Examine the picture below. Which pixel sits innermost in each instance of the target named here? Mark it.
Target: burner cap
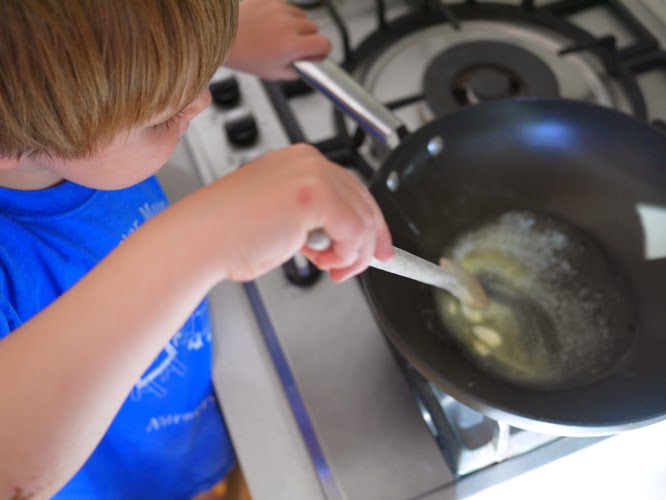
(474, 72)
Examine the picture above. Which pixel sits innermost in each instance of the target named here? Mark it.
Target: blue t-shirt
(168, 440)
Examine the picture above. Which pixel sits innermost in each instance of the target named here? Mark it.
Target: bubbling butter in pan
(586, 321)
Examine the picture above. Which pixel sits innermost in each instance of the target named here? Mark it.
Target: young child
(105, 388)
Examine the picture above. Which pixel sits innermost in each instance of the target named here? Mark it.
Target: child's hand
(260, 215)
(271, 35)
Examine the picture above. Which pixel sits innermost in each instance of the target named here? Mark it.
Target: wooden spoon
(448, 275)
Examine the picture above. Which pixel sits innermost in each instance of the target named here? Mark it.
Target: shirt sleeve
(9, 317)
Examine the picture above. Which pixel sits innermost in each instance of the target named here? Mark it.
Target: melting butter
(586, 320)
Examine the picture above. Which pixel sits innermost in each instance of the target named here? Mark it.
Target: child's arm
(271, 35)
(67, 371)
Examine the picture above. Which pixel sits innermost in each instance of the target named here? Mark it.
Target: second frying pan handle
(346, 93)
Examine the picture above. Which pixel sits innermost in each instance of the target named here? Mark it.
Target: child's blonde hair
(75, 73)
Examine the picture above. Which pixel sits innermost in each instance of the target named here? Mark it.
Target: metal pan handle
(336, 84)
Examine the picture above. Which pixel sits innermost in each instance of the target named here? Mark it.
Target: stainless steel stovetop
(353, 399)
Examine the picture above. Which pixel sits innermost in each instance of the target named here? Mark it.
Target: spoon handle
(448, 275)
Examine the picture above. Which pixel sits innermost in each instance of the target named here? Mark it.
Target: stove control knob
(242, 131)
(300, 271)
(225, 93)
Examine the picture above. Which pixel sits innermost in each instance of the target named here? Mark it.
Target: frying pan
(584, 164)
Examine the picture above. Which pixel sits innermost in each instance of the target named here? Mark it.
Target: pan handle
(346, 93)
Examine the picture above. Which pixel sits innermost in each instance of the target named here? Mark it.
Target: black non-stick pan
(581, 163)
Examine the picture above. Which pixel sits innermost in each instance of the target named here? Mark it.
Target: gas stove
(348, 390)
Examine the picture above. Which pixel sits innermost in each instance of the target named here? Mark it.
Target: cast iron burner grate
(525, 79)
(468, 440)
(621, 64)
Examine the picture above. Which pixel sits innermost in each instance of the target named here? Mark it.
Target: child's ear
(7, 163)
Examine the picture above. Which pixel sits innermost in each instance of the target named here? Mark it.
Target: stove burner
(486, 83)
(473, 72)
